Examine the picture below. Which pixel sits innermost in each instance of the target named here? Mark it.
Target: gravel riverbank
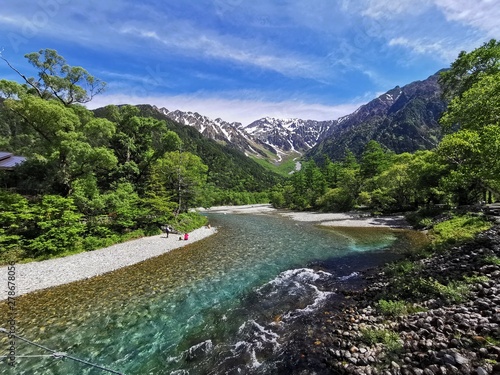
(348, 219)
(49, 273)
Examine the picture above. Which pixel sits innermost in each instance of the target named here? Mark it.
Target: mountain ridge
(405, 118)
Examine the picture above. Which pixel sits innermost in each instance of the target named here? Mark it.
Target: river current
(222, 305)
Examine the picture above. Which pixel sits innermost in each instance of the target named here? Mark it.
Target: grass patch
(387, 337)
(394, 308)
(457, 230)
(453, 292)
(492, 260)
(492, 341)
(401, 268)
(476, 279)
(283, 168)
(424, 217)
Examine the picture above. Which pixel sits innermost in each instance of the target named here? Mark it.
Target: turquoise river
(217, 306)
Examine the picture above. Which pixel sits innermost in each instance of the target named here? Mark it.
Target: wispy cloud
(198, 42)
(239, 110)
(480, 14)
(385, 9)
(427, 46)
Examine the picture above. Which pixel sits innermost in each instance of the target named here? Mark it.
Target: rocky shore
(455, 332)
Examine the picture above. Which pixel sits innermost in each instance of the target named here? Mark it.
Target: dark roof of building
(9, 161)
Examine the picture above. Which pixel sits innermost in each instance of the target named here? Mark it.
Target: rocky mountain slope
(285, 136)
(404, 119)
(230, 134)
(266, 138)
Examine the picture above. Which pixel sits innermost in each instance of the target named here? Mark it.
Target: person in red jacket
(186, 236)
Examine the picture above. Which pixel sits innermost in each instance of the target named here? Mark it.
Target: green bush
(453, 292)
(492, 260)
(59, 226)
(392, 308)
(476, 279)
(382, 336)
(189, 221)
(401, 268)
(395, 308)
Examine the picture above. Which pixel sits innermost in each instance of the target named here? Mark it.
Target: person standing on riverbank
(186, 236)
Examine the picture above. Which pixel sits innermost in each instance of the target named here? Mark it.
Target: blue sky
(245, 59)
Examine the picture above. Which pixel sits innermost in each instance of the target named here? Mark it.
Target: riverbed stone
(446, 338)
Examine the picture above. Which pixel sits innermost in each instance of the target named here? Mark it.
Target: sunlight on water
(211, 306)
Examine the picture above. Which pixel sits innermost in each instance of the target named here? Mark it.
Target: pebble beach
(53, 272)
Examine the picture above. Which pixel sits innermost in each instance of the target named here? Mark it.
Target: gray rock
(449, 359)
(460, 359)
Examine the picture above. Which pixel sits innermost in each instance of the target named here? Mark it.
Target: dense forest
(93, 178)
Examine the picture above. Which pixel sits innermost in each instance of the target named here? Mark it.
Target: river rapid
(223, 305)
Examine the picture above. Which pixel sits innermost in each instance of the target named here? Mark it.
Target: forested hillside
(228, 168)
(404, 119)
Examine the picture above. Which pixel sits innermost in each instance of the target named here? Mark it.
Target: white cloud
(233, 110)
(427, 46)
(196, 42)
(384, 9)
(480, 14)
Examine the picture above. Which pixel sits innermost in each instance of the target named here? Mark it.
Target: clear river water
(220, 305)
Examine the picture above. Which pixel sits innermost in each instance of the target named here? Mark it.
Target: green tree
(66, 142)
(59, 225)
(374, 159)
(473, 83)
(138, 143)
(462, 152)
(469, 68)
(58, 80)
(180, 178)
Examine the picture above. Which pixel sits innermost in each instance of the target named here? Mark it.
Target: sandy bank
(349, 219)
(45, 274)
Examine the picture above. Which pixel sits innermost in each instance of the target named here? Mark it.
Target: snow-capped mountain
(219, 130)
(288, 135)
(277, 136)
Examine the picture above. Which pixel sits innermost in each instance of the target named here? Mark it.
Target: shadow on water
(220, 305)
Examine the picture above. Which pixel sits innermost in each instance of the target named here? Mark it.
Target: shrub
(476, 279)
(188, 221)
(60, 227)
(382, 336)
(492, 260)
(400, 268)
(454, 292)
(392, 308)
